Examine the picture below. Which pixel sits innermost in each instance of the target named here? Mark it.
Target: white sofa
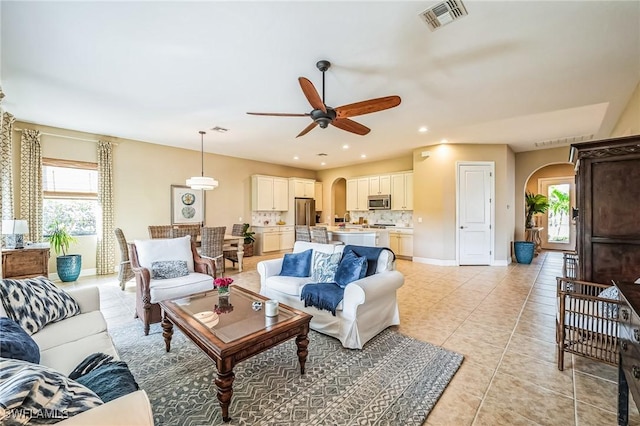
(369, 305)
(65, 344)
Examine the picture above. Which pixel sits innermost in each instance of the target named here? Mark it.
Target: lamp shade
(202, 182)
(15, 226)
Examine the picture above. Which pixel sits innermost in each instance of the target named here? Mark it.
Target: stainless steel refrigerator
(305, 211)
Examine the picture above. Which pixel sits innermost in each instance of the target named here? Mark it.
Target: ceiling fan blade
(279, 114)
(367, 107)
(307, 129)
(351, 126)
(312, 95)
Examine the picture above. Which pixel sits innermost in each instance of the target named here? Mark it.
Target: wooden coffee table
(239, 333)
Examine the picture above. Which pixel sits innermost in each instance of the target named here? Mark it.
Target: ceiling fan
(323, 115)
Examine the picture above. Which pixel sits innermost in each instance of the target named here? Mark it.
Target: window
(70, 192)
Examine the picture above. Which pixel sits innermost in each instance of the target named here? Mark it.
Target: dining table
(228, 238)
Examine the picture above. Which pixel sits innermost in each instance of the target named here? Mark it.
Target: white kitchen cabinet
(358, 194)
(303, 188)
(379, 185)
(402, 191)
(401, 242)
(269, 193)
(274, 238)
(318, 196)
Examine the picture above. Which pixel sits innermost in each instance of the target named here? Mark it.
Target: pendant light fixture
(202, 181)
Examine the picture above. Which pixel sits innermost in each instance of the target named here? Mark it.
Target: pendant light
(202, 181)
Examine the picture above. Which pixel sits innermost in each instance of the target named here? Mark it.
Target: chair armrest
(370, 288)
(201, 264)
(133, 409)
(269, 268)
(88, 298)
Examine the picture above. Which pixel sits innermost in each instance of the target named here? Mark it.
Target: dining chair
(182, 230)
(125, 273)
(303, 233)
(212, 245)
(160, 231)
(230, 251)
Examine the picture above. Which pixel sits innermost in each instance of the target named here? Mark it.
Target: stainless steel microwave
(380, 202)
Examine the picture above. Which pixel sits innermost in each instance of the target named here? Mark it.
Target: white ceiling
(515, 72)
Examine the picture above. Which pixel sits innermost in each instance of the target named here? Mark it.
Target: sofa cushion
(36, 302)
(27, 387)
(287, 285)
(71, 329)
(64, 358)
(351, 268)
(297, 264)
(15, 343)
(175, 288)
(299, 246)
(324, 267)
(165, 269)
(160, 249)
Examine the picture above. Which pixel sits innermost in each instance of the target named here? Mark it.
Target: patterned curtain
(105, 256)
(31, 183)
(6, 165)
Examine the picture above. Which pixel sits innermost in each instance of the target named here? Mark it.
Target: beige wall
(629, 122)
(143, 175)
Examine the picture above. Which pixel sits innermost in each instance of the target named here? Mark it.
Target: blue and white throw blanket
(327, 296)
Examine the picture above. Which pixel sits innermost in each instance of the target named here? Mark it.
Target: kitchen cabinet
(274, 238)
(318, 196)
(401, 242)
(358, 194)
(379, 185)
(402, 191)
(25, 263)
(303, 188)
(269, 193)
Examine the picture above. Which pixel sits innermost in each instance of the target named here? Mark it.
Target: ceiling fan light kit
(323, 115)
(202, 182)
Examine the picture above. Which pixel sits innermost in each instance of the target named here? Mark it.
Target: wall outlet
(419, 220)
(240, 219)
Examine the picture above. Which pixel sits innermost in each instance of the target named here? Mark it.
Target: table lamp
(14, 230)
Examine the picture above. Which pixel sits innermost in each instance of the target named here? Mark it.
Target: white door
(559, 230)
(475, 213)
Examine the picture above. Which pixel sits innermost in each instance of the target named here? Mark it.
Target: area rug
(394, 380)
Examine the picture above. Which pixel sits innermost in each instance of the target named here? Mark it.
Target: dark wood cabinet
(25, 263)
(608, 201)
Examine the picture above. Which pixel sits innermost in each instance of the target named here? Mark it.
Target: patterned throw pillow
(165, 269)
(324, 267)
(609, 310)
(35, 394)
(36, 302)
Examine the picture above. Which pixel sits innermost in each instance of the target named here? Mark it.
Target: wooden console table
(533, 235)
(629, 361)
(25, 263)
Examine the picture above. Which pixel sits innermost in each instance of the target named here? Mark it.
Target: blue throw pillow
(110, 381)
(351, 268)
(15, 343)
(296, 264)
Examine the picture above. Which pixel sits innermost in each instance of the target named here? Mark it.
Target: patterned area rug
(394, 380)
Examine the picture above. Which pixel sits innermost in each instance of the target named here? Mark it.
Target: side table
(25, 263)
(533, 235)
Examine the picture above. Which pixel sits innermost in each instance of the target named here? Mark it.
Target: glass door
(559, 231)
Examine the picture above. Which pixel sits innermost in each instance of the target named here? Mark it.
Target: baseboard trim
(83, 273)
(437, 262)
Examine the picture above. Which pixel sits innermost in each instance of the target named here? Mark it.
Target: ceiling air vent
(443, 13)
(563, 141)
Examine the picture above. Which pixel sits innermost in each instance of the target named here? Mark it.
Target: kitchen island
(372, 237)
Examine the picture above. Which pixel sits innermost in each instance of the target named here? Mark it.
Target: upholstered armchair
(167, 269)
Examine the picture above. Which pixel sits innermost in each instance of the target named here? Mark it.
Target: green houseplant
(68, 265)
(535, 204)
(249, 239)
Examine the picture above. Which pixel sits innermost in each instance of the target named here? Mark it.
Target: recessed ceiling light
(363, 156)
(345, 146)
(444, 141)
(423, 129)
(323, 164)
(295, 157)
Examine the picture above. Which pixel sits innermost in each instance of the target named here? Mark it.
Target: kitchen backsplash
(400, 218)
(259, 218)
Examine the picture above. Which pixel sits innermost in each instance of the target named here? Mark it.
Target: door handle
(462, 227)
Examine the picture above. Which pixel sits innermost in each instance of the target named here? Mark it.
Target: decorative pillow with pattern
(36, 302)
(165, 269)
(324, 267)
(609, 310)
(34, 394)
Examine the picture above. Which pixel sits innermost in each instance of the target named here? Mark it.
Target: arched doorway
(339, 199)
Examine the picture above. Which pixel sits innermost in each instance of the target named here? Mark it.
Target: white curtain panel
(105, 255)
(31, 183)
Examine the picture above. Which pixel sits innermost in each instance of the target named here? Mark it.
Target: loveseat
(65, 344)
(368, 307)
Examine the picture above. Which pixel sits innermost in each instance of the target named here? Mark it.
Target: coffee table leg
(224, 382)
(302, 341)
(167, 331)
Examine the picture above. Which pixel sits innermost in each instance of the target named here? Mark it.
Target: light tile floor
(502, 319)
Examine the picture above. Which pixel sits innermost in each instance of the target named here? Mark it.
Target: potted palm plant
(68, 265)
(537, 203)
(249, 239)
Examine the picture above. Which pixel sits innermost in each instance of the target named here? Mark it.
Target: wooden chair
(212, 245)
(303, 233)
(160, 231)
(125, 273)
(231, 250)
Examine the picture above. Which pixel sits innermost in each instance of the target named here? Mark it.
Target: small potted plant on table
(249, 239)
